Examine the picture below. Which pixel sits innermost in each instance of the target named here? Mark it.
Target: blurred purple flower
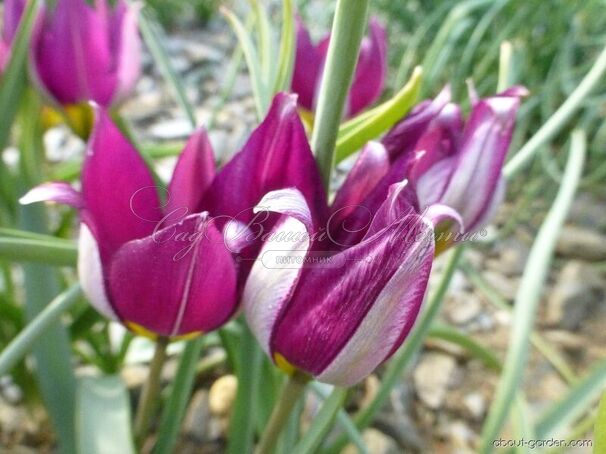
(369, 78)
(13, 10)
(82, 52)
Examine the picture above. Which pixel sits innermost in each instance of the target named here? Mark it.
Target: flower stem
(149, 395)
(347, 31)
(292, 390)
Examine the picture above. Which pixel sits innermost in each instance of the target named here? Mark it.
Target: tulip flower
(331, 305)
(369, 77)
(13, 10)
(169, 268)
(455, 163)
(82, 52)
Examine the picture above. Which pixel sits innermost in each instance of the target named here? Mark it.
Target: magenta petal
(276, 156)
(126, 47)
(177, 281)
(72, 54)
(400, 202)
(332, 305)
(372, 164)
(371, 69)
(192, 176)
(119, 192)
(13, 10)
(57, 191)
(444, 218)
(308, 64)
(478, 168)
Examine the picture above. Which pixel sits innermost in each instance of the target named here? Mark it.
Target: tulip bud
(369, 77)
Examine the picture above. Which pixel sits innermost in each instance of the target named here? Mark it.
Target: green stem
(411, 346)
(21, 344)
(56, 252)
(290, 394)
(559, 118)
(347, 31)
(151, 389)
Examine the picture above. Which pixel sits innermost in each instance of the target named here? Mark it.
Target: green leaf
(286, 58)
(529, 293)
(461, 339)
(103, 420)
(241, 427)
(260, 90)
(599, 444)
(322, 422)
(264, 40)
(153, 36)
(557, 418)
(56, 252)
(358, 131)
(24, 341)
(181, 389)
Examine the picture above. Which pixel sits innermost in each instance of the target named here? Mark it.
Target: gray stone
(475, 405)
(465, 308)
(376, 442)
(175, 129)
(581, 243)
(196, 420)
(578, 293)
(432, 377)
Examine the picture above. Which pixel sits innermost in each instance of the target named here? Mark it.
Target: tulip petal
(444, 218)
(91, 275)
(330, 326)
(478, 168)
(267, 290)
(276, 156)
(307, 68)
(177, 281)
(127, 51)
(56, 191)
(371, 69)
(73, 56)
(193, 174)
(400, 202)
(119, 192)
(13, 10)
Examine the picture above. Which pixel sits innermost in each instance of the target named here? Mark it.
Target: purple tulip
(170, 267)
(335, 302)
(369, 78)
(458, 164)
(83, 53)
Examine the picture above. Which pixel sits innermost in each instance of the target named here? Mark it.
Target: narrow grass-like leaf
(260, 89)
(322, 422)
(348, 27)
(477, 350)
(599, 444)
(57, 252)
(103, 416)
(354, 135)
(557, 418)
(529, 292)
(264, 41)
(286, 57)
(24, 341)
(181, 388)
(559, 118)
(241, 427)
(409, 349)
(153, 36)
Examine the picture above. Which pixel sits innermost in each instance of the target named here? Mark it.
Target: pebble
(466, 308)
(475, 405)
(505, 286)
(376, 442)
(431, 378)
(578, 293)
(581, 243)
(222, 395)
(196, 420)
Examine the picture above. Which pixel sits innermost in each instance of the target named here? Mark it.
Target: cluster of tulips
(330, 290)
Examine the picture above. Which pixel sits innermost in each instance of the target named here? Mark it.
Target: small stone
(581, 243)
(475, 405)
(134, 375)
(466, 308)
(198, 414)
(578, 293)
(461, 437)
(376, 442)
(178, 128)
(222, 395)
(506, 287)
(432, 377)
